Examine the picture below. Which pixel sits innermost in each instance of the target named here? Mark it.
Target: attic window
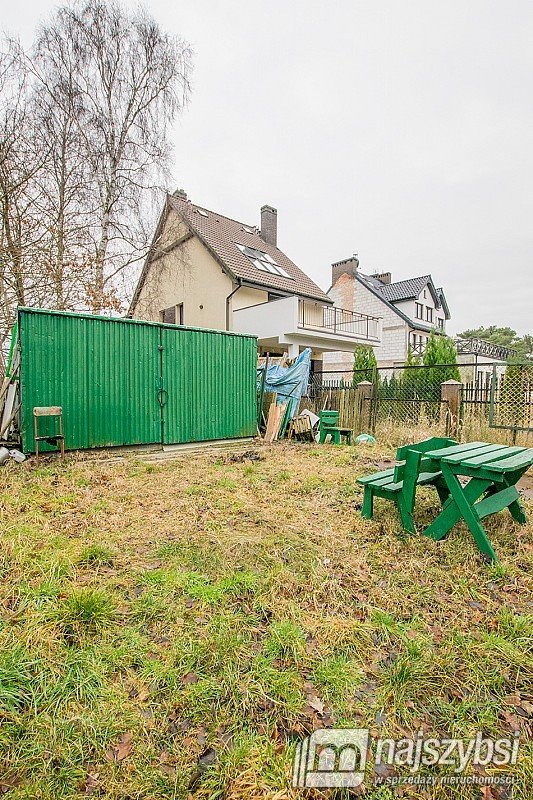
(263, 261)
(246, 229)
(202, 212)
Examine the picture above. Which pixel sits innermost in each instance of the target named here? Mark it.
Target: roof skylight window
(202, 212)
(246, 229)
(263, 261)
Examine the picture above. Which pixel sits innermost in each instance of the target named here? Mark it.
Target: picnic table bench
(492, 469)
(399, 483)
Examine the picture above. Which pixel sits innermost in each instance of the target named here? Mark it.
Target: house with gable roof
(207, 270)
(409, 309)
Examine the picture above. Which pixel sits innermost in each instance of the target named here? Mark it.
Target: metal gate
(208, 385)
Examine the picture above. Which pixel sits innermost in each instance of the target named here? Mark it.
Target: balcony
(418, 349)
(292, 323)
(313, 316)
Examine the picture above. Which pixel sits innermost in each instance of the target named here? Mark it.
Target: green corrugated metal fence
(127, 382)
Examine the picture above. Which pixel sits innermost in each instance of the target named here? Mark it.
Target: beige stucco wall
(173, 229)
(189, 274)
(246, 296)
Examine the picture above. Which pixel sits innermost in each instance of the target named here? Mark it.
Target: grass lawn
(174, 629)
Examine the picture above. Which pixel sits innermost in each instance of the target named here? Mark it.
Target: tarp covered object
(289, 382)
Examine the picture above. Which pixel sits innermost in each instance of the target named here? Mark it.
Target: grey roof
(375, 286)
(443, 302)
(408, 289)
(404, 290)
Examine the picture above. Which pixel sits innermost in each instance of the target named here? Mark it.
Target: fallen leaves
(206, 759)
(315, 709)
(122, 749)
(165, 765)
(140, 694)
(92, 783)
(526, 706)
(315, 703)
(322, 566)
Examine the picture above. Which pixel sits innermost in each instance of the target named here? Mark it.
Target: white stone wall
(349, 293)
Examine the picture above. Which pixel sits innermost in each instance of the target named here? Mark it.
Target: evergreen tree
(440, 358)
(411, 375)
(441, 350)
(364, 364)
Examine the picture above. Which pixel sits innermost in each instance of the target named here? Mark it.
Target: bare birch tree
(66, 186)
(133, 78)
(22, 236)
(84, 123)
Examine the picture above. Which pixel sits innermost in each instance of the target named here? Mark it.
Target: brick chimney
(348, 266)
(384, 277)
(269, 225)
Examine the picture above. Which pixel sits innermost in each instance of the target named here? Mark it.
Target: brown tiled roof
(222, 234)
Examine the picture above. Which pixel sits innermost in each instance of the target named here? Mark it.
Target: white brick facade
(349, 293)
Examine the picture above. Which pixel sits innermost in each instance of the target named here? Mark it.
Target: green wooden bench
(329, 420)
(400, 482)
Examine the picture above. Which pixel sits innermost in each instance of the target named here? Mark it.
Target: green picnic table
(492, 471)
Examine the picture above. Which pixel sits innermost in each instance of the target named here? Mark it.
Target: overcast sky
(401, 130)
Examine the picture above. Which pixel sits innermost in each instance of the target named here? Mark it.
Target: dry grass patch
(172, 630)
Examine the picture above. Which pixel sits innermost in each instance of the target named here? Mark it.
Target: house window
(425, 294)
(419, 310)
(429, 314)
(441, 323)
(168, 315)
(179, 314)
(263, 261)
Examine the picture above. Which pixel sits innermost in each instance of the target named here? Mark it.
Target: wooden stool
(52, 438)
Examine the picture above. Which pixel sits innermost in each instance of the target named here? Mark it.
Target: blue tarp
(289, 382)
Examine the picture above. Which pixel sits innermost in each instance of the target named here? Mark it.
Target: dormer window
(263, 261)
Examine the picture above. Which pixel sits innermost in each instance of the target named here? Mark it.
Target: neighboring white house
(207, 270)
(409, 311)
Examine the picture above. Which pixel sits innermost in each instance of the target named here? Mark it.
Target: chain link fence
(473, 401)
